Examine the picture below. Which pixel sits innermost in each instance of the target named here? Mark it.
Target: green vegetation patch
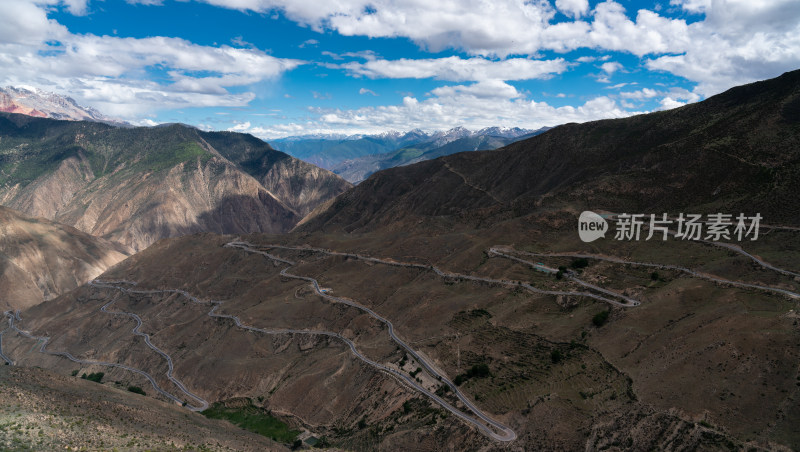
(167, 158)
(600, 318)
(477, 371)
(96, 377)
(254, 419)
(136, 390)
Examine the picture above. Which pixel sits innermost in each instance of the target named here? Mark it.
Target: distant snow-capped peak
(33, 101)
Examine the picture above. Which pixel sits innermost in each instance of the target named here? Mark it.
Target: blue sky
(289, 67)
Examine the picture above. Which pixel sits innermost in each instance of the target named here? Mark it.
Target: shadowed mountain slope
(735, 152)
(135, 186)
(460, 255)
(40, 260)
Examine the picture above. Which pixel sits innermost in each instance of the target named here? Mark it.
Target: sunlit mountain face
(378, 225)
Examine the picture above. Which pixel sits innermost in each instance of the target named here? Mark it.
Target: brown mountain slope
(300, 185)
(138, 185)
(40, 260)
(735, 152)
(705, 359)
(46, 411)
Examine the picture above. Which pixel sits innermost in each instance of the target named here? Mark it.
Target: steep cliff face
(192, 196)
(136, 186)
(302, 185)
(40, 259)
(298, 184)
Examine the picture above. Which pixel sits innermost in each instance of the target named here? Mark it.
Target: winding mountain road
(630, 302)
(706, 276)
(45, 340)
(203, 404)
(506, 434)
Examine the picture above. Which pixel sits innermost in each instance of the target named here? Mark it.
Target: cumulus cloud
(458, 69)
(241, 127)
(669, 103)
(610, 67)
(574, 8)
(737, 41)
(644, 93)
(475, 105)
(110, 73)
(497, 28)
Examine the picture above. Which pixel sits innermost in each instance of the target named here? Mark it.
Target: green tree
(600, 318)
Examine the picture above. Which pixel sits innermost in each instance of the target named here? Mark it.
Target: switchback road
(688, 271)
(506, 434)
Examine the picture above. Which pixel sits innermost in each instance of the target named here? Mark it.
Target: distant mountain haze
(332, 151)
(735, 152)
(357, 169)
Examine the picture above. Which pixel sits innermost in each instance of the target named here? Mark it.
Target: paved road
(44, 340)
(688, 271)
(767, 265)
(203, 404)
(629, 302)
(506, 434)
(444, 274)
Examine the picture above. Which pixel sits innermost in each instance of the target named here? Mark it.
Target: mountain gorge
(137, 185)
(451, 301)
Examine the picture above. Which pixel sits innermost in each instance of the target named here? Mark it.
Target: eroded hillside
(135, 186)
(40, 260)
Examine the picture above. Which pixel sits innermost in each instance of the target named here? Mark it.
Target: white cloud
(76, 7)
(145, 2)
(146, 122)
(573, 8)
(241, 127)
(642, 94)
(309, 43)
(496, 28)
(738, 42)
(693, 6)
(669, 103)
(367, 91)
(610, 67)
(110, 73)
(476, 105)
(458, 70)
